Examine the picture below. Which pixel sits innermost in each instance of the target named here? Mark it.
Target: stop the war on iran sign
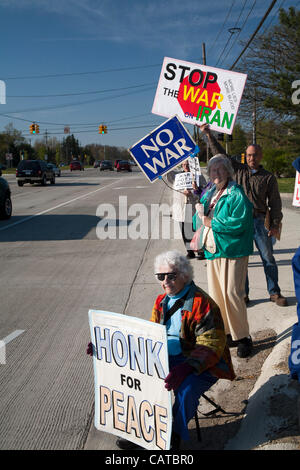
(163, 149)
(130, 364)
(199, 94)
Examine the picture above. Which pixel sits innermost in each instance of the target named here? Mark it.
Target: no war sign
(130, 364)
(164, 148)
(199, 94)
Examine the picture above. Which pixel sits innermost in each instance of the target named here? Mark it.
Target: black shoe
(200, 255)
(190, 254)
(127, 445)
(245, 347)
(175, 441)
(230, 342)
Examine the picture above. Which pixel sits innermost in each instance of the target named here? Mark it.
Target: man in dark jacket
(261, 188)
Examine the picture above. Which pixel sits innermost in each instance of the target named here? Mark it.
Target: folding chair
(210, 413)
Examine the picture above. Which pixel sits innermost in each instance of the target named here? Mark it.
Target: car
(76, 165)
(97, 164)
(5, 199)
(3, 167)
(116, 162)
(106, 165)
(56, 170)
(123, 165)
(34, 171)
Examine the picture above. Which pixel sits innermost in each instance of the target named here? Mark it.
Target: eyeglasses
(170, 276)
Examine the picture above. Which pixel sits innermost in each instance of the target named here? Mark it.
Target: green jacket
(232, 223)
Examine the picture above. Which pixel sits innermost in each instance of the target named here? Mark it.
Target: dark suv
(106, 165)
(34, 171)
(5, 199)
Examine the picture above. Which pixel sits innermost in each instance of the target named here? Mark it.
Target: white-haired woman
(227, 212)
(198, 353)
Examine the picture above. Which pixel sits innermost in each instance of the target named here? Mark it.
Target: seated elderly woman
(198, 354)
(226, 215)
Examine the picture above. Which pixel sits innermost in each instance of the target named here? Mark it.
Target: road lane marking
(53, 208)
(5, 341)
(12, 336)
(132, 187)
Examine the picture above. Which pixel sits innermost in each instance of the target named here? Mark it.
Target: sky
(82, 63)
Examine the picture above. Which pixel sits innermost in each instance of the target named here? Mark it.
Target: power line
(67, 105)
(231, 33)
(254, 34)
(272, 19)
(242, 27)
(81, 93)
(25, 77)
(217, 37)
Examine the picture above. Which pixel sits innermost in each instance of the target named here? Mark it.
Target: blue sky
(103, 57)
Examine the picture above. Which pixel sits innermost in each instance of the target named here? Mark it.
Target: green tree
(70, 148)
(272, 64)
(239, 141)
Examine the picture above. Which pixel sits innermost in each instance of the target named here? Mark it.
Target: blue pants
(187, 397)
(264, 244)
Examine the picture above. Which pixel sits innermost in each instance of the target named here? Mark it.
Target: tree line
(50, 149)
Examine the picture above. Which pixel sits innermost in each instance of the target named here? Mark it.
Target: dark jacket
(261, 188)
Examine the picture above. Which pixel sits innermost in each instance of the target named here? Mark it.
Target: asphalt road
(53, 269)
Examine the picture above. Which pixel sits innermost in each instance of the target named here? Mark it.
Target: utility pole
(254, 118)
(204, 63)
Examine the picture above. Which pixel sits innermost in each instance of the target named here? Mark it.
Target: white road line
(12, 336)
(53, 208)
(132, 187)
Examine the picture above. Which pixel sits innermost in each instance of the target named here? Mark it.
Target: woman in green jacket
(225, 214)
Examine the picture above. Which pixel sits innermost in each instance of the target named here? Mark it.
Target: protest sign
(195, 169)
(199, 94)
(130, 365)
(183, 181)
(163, 149)
(296, 198)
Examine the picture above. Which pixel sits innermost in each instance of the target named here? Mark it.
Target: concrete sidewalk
(272, 401)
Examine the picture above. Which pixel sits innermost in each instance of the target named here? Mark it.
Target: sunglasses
(170, 276)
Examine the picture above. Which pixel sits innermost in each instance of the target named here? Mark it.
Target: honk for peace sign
(199, 94)
(130, 365)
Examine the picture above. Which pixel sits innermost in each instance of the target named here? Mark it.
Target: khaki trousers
(226, 285)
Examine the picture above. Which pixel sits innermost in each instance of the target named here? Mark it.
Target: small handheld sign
(163, 149)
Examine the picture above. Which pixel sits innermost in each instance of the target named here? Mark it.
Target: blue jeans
(187, 397)
(264, 244)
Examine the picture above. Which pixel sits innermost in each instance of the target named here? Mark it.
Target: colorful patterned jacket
(202, 335)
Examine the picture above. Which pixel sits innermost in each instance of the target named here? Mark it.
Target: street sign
(163, 149)
(199, 94)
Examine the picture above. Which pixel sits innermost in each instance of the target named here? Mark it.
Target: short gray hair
(221, 158)
(177, 261)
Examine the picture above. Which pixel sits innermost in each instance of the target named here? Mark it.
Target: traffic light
(32, 128)
(220, 137)
(102, 129)
(243, 158)
(37, 129)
